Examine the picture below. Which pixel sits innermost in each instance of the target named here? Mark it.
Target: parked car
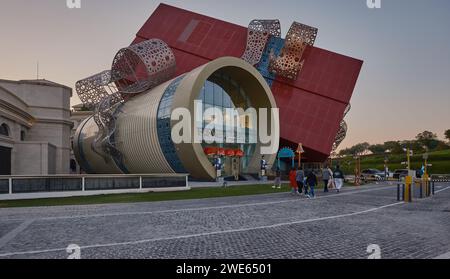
(399, 174)
(372, 174)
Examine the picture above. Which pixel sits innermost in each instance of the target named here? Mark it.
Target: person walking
(277, 182)
(292, 179)
(326, 177)
(311, 181)
(299, 177)
(338, 178)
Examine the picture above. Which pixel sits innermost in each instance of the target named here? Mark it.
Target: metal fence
(73, 183)
(440, 177)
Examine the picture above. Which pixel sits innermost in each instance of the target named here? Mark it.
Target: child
(293, 180)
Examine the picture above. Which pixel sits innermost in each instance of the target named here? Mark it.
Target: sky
(403, 88)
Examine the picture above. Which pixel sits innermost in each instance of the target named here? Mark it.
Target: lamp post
(357, 170)
(300, 150)
(386, 169)
(409, 153)
(425, 158)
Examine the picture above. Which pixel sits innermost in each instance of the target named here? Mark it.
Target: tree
(414, 145)
(447, 134)
(377, 148)
(428, 139)
(394, 147)
(345, 152)
(360, 148)
(442, 146)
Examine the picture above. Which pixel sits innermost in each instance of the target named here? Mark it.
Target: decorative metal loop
(93, 89)
(340, 136)
(134, 69)
(258, 34)
(343, 128)
(290, 62)
(143, 66)
(347, 109)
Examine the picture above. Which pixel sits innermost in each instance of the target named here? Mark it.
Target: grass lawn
(439, 159)
(196, 193)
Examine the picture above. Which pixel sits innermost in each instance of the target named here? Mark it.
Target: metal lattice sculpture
(135, 69)
(105, 117)
(342, 132)
(340, 136)
(347, 110)
(290, 62)
(93, 89)
(258, 34)
(143, 66)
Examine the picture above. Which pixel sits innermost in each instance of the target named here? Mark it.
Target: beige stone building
(35, 127)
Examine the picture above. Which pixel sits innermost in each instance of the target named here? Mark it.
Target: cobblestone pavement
(264, 226)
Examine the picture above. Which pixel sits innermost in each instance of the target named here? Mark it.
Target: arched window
(4, 130)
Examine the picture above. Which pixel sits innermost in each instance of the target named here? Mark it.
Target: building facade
(35, 133)
(191, 57)
(312, 106)
(143, 130)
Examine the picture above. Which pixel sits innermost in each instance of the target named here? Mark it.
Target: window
(221, 92)
(22, 135)
(4, 130)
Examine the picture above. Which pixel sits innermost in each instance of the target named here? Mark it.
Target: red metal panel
(311, 107)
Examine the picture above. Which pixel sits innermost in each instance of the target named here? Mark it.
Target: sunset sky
(403, 89)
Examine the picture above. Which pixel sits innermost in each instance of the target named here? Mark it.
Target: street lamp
(357, 169)
(425, 158)
(386, 169)
(300, 150)
(409, 153)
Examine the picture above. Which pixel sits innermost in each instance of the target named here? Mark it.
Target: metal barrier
(426, 188)
(75, 183)
(440, 177)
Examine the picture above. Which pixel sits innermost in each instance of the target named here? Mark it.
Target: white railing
(71, 183)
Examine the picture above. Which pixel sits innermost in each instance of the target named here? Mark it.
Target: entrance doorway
(5, 161)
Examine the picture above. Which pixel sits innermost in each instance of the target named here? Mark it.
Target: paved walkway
(263, 226)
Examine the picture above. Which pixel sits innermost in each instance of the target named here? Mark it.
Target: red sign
(239, 153)
(229, 152)
(221, 152)
(210, 150)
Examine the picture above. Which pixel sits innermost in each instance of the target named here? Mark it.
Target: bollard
(403, 192)
(398, 192)
(432, 188)
(421, 190)
(408, 189)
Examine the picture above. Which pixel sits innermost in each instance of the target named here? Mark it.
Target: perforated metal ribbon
(290, 61)
(258, 34)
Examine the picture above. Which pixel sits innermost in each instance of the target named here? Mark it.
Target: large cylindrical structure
(144, 125)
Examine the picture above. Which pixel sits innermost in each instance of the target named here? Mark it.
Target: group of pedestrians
(306, 181)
